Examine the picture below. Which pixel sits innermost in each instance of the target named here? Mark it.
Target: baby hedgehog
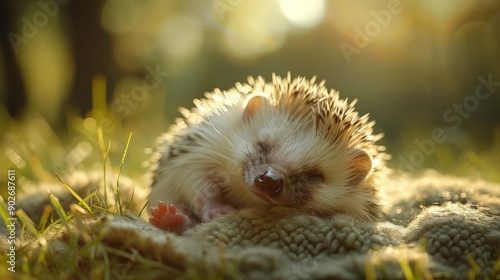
(284, 143)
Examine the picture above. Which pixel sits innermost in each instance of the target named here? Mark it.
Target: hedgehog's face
(279, 181)
(286, 162)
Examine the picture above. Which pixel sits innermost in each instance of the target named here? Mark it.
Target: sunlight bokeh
(303, 13)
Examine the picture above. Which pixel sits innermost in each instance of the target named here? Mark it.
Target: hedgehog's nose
(269, 183)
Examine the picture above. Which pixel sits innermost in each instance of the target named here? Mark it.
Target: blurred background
(76, 74)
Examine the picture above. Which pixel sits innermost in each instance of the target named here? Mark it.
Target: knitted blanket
(434, 226)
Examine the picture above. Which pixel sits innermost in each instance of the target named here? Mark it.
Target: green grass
(35, 257)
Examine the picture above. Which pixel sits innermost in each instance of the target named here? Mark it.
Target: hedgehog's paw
(214, 210)
(167, 217)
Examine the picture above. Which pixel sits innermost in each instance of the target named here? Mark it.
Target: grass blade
(27, 222)
(74, 194)
(122, 163)
(56, 204)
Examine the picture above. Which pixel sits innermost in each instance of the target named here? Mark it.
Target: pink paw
(167, 217)
(213, 211)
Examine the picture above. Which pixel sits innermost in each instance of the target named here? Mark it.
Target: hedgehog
(289, 142)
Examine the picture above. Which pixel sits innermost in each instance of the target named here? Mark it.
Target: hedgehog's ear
(360, 166)
(253, 105)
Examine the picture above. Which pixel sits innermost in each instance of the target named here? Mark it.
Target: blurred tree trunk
(92, 52)
(15, 90)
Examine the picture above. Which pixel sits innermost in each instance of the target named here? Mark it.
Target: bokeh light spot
(180, 37)
(90, 124)
(119, 16)
(303, 13)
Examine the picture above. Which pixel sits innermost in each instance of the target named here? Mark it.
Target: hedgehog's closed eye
(262, 147)
(315, 176)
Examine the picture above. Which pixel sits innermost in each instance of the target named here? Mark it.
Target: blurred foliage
(122, 65)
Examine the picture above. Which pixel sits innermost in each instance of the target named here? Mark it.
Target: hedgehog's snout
(269, 183)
